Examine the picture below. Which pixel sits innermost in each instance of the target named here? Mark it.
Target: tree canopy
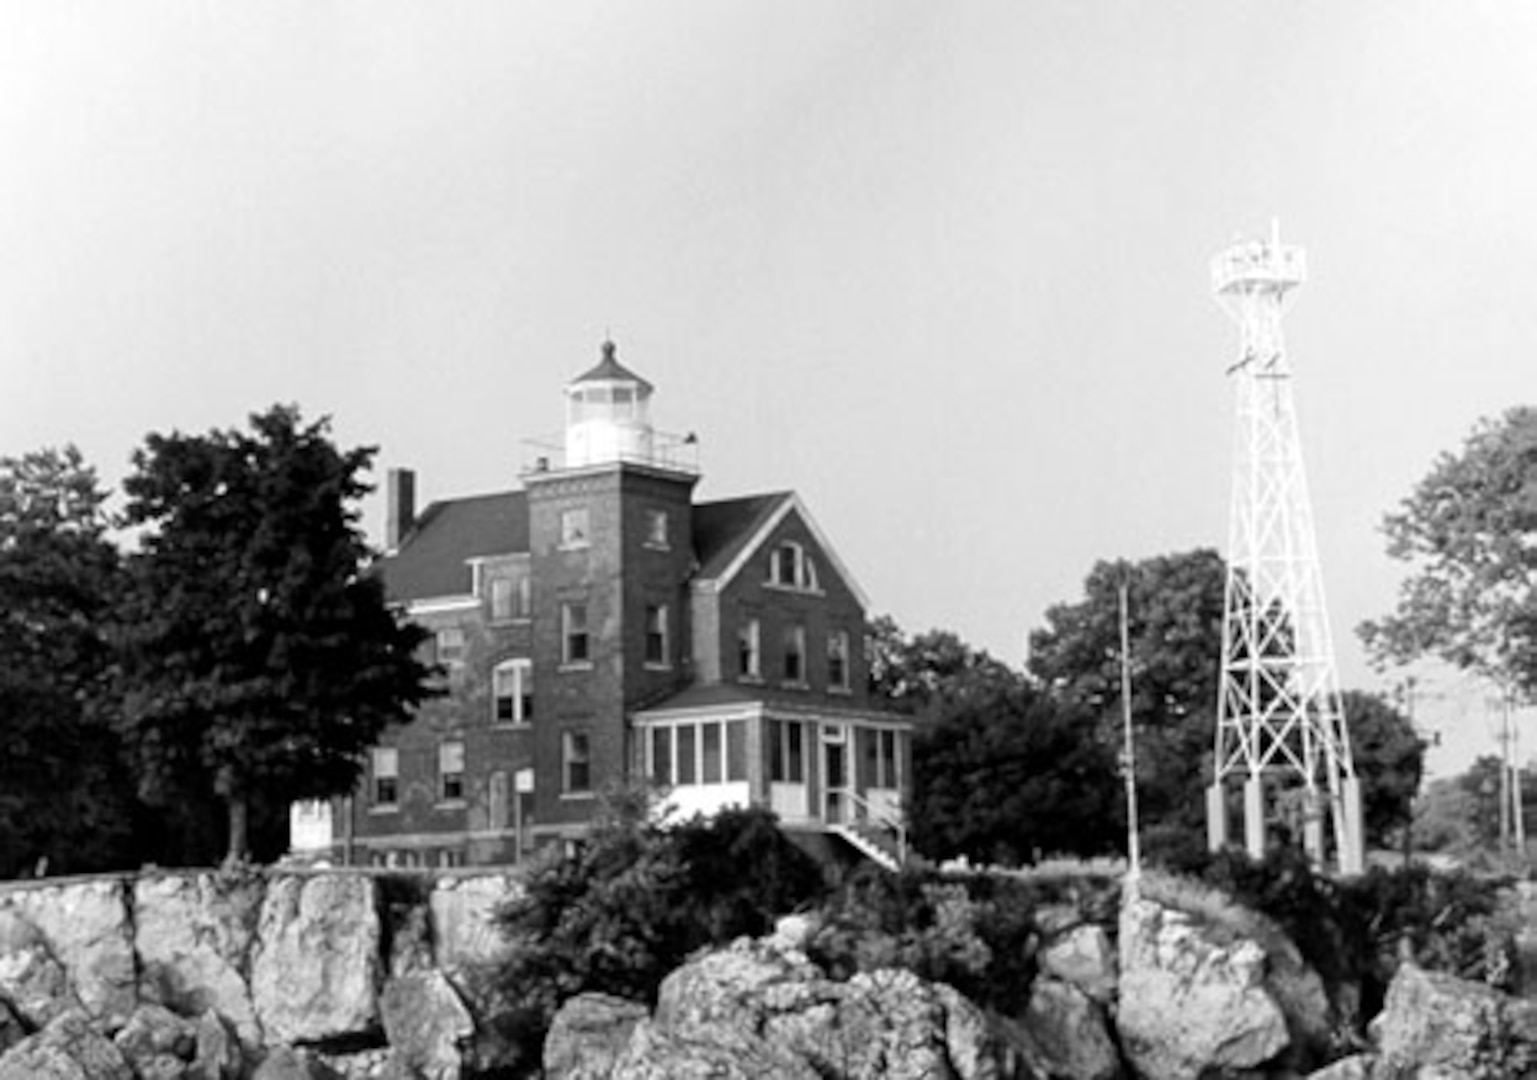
(260, 659)
(1006, 778)
(64, 795)
(1390, 760)
(1467, 533)
(1174, 616)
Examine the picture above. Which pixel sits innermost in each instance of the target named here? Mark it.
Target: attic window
(791, 567)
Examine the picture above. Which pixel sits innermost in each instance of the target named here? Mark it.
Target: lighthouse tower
(1281, 730)
(608, 415)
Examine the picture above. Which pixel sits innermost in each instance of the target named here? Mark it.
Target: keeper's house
(600, 626)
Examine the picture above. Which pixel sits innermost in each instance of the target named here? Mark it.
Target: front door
(835, 773)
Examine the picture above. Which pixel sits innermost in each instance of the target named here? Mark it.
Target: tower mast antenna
(1280, 724)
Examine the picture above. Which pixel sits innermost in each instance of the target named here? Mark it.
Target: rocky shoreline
(283, 975)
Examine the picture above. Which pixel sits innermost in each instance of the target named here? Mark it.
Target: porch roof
(729, 699)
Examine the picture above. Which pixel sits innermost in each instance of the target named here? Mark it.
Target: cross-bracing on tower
(1280, 725)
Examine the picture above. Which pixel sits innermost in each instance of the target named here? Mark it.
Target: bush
(635, 900)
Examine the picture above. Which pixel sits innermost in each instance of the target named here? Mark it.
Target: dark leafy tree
(260, 659)
(1174, 607)
(64, 793)
(1390, 760)
(931, 671)
(1002, 779)
(1466, 533)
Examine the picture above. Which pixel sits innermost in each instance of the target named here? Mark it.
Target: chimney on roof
(400, 506)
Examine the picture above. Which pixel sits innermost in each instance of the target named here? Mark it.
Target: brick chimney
(400, 506)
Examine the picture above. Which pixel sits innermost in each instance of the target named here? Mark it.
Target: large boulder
(655, 1054)
(195, 934)
(287, 1063)
(316, 970)
(69, 1048)
(1068, 1033)
(90, 931)
(1191, 1004)
(427, 1025)
(588, 1035)
(463, 910)
(1083, 956)
(885, 1023)
(157, 1042)
(32, 981)
(1433, 1024)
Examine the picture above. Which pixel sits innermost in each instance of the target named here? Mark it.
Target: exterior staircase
(878, 837)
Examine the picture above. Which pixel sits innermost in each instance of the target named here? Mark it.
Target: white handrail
(870, 815)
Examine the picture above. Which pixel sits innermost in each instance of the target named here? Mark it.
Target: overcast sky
(940, 267)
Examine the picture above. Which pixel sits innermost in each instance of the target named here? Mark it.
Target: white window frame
(570, 758)
(656, 529)
(793, 643)
(575, 527)
(451, 766)
(750, 648)
(450, 645)
(839, 676)
(570, 631)
(384, 764)
(520, 672)
(798, 572)
(658, 631)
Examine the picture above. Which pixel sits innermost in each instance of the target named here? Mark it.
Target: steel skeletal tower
(1280, 725)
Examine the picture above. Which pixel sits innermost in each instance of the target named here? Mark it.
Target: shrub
(634, 900)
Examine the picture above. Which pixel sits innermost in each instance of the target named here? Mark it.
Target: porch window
(787, 751)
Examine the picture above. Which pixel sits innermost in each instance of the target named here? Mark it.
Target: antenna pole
(1133, 843)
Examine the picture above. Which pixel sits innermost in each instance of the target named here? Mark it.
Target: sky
(941, 268)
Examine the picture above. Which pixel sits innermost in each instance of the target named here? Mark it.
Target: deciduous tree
(261, 659)
(64, 794)
(1174, 620)
(1468, 534)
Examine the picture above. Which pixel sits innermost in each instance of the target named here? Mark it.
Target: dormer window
(792, 568)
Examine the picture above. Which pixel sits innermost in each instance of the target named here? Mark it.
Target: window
(576, 763)
(786, 752)
(748, 662)
(386, 770)
(450, 647)
(509, 598)
(574, 527)
(795, 654)
(451, 771)
(573, 619)
(656, 528)
(512, 692)
(656, 635)
(712, 752)
(791, 567)
(838, 660)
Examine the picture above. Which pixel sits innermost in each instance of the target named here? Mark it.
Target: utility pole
(1129, 753)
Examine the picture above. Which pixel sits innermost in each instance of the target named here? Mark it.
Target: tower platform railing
(667, 451)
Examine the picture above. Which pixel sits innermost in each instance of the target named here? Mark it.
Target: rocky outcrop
(589, 1035)
(194, 934)
(88, 929)
(463, 912)
(69, 1048)
(1435, 1025)
(427, 1026)
(757, 1009)
(1190, 1005)
(1082, 955)
(1067, 1034)
(317, 965)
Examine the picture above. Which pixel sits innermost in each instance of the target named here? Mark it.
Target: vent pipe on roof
(400, 506)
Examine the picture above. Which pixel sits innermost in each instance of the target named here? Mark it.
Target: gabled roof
(735, 552)
(610, 369)
(434, 557)
(723, 529)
